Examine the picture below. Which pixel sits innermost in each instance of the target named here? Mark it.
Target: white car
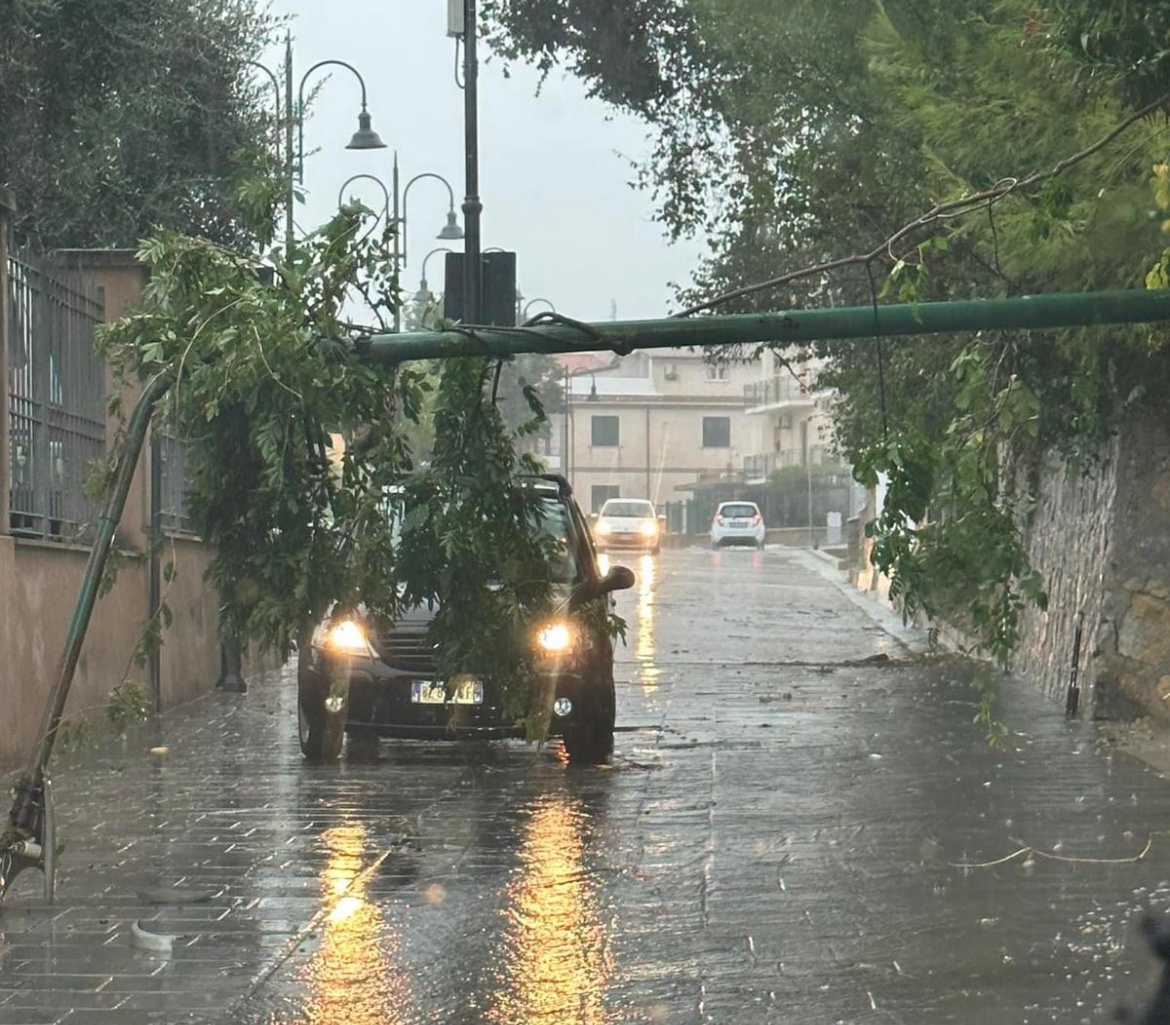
(738, 523)
(628, 523)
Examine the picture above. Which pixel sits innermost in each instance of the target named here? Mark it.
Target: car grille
(407, 649)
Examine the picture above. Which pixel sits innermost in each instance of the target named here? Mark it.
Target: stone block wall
(1102, 541)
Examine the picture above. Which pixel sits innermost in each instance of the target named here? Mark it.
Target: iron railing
(759, 468)
(57, 400)
(174, 484)
(783, 388)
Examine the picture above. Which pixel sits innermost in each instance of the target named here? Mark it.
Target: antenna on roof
(613, 309)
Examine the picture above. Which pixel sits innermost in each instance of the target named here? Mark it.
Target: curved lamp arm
(428, 174)
(406, 192)
(368, 177)
(275, 85)
(363, 118)
(440, 249)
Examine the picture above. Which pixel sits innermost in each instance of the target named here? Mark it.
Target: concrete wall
(39, 584)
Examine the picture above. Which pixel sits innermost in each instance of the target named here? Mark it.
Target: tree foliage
(265, 376)
(118, 116)
(813, 131)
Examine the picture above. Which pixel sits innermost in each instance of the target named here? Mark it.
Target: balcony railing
(760, 468)
(782, 390)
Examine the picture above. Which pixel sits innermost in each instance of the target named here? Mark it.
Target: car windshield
(740, 510)
(630, 510)
(553, 523)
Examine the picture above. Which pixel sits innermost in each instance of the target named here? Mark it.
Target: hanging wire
(496, 380)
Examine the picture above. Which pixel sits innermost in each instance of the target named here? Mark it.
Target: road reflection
(645, 650)
(556, 961)
(352, 977)
(646, 572)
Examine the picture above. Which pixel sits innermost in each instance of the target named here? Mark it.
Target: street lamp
(394, 209)
(451, 231)
(424, 295)
(461, 24)
(294, 160)
(592, 396)
(570, 425)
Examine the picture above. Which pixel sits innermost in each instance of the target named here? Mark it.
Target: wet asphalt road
(780, 839)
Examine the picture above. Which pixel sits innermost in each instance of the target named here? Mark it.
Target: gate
(57, 399)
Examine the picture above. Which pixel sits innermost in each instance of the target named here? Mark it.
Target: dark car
(393, 686)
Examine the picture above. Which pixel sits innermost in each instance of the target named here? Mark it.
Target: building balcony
(780, 392)
(758, 469)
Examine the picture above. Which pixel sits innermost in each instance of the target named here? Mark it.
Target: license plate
(739, 523)
(429, 692)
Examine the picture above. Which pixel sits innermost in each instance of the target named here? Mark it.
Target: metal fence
(57, 400)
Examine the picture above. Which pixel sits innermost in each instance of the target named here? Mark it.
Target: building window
(718, 372)
(716, 432)
(606, 433)
(602, 493)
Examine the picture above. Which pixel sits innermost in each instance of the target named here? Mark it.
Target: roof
(579, 362)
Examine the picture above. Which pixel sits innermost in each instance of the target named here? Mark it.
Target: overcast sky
(554, 168)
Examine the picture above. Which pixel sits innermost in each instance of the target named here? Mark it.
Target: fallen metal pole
(1035, 312)
(28, 841)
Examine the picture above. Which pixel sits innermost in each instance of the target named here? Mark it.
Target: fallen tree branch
(1025, 849)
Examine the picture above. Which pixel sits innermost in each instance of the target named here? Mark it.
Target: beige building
(640, 426)
(791, 418)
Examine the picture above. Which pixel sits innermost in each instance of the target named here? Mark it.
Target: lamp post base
(231, 675)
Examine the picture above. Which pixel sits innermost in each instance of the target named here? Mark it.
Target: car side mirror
(619, 578)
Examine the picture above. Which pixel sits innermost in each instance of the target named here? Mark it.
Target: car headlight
(603, 528)
(648, 529)
(348, 637)
(555, 638)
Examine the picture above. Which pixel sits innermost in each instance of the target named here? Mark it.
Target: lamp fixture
(365, 137)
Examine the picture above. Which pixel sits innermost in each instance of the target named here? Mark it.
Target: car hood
(625, 522)
(419, 616)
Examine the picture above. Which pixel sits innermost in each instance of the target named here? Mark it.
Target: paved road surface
(778, 840)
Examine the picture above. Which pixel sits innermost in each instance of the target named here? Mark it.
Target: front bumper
(379, 698)
(634, 542)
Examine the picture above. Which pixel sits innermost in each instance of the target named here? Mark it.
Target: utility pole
(290, 167)
(472, 207)
(565, 444)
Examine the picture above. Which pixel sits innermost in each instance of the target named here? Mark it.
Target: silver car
(628, 523)
(738, 523)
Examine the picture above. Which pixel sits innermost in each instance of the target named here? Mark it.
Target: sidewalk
(872, 603)
(180, 843)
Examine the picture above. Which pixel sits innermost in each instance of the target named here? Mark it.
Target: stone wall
(1102, 540)
(1068, 540)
